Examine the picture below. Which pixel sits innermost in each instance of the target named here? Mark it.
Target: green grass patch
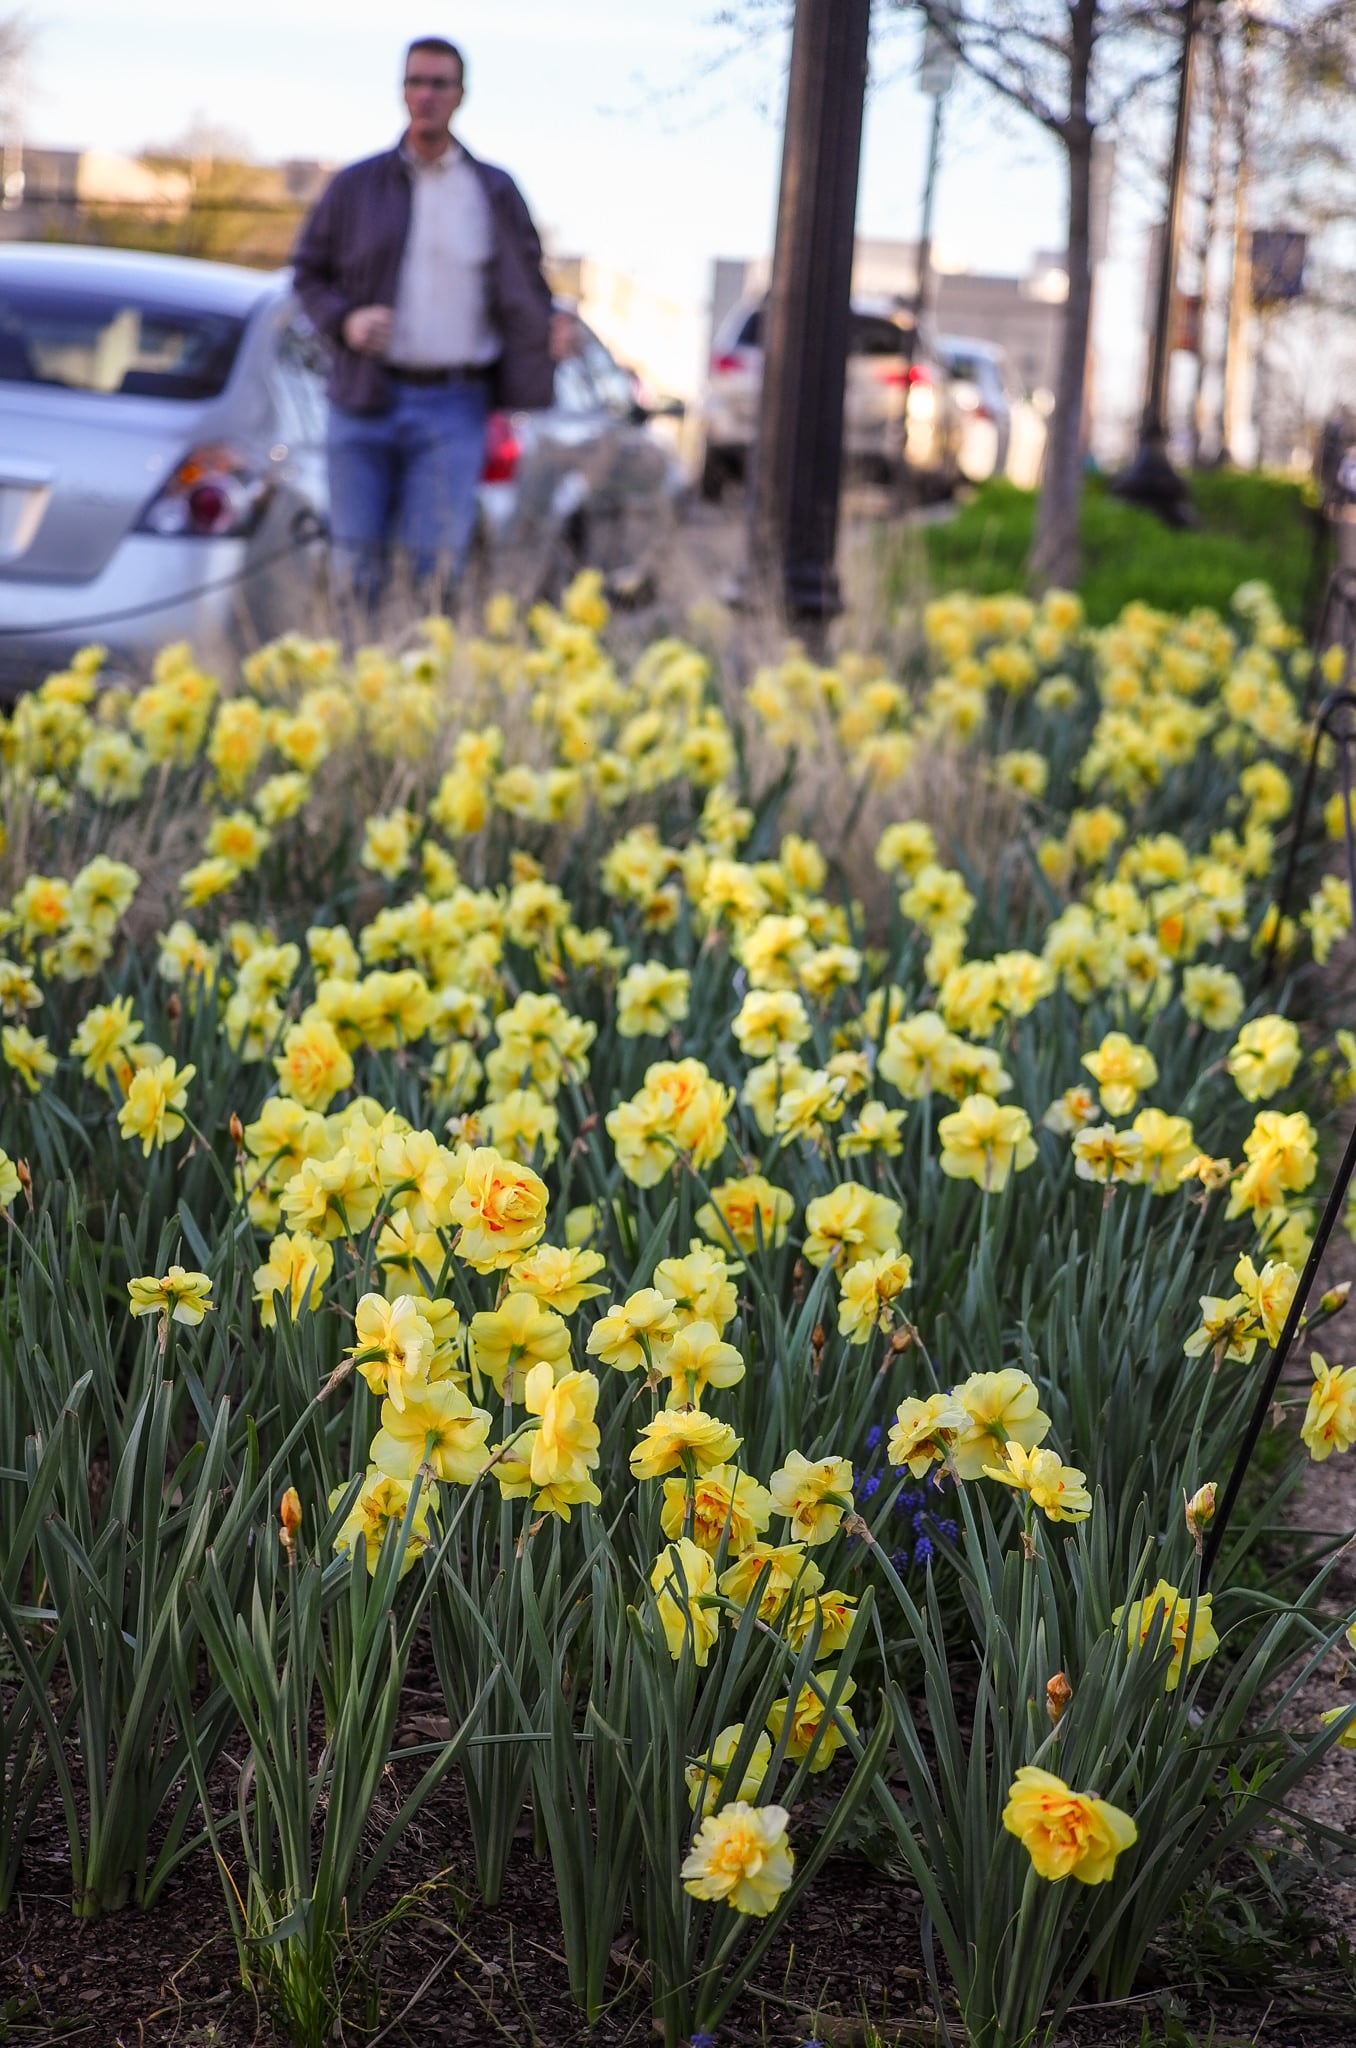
(1252, 526)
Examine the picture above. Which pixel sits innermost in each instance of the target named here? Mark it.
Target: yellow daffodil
(1167, 1615)
(560, 1277)
(1264, 1057)
(383, 1502)
(507, 1342)
(1066, 1833)
(297, 1268)
(850, 1223)
(501, 1208)
(924, 1431)
(437, 1427)
(741, 1857)
(676, 1436)
(985, 1142)
(151, 1108)
(708, 1779)
(1003, 1408)
(726, 1504)
(1055, 1488)
(751, 1210)
(1330, 1418)
(814, 1495)
(775, 1571)
(1122, 1070)
(394, 1346)
(810, 1724)
(684, 1580)
(178, 1296)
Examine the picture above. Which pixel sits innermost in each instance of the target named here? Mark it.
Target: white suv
(900, 421)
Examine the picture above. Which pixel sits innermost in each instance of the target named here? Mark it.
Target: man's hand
(564, 336)
(367, 330)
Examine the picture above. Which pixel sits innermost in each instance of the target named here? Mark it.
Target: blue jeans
(406, 480)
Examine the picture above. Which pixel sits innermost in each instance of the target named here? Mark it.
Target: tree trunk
(1055, 551)
(1200, 422)
(1233, 422)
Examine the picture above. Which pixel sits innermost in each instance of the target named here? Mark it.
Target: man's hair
(438, 46)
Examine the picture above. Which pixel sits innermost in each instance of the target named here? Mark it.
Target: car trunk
(77, 470)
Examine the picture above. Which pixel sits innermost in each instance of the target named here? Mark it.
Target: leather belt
(451, 373)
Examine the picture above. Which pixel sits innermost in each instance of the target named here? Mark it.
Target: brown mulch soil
(847, 1971)
(449, 1967)
(1326, 1503)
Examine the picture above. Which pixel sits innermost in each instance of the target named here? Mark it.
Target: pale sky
(624, 150)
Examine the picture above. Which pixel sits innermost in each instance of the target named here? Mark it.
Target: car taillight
(502, 449)
(725, 365)
(215, 493)
(902, 376)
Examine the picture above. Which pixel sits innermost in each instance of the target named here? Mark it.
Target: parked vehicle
(900, 423)
(585, 485)
(977, 371)
(163, 474)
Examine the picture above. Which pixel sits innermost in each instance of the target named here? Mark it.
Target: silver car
(899, 420)
(979, 387)
(152, 485)
(163, 475)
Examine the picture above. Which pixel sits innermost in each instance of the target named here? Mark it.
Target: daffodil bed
(574, 1182)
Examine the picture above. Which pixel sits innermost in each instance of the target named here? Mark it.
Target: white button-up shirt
(442, 302)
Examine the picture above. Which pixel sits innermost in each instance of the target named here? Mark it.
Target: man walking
(423, 269)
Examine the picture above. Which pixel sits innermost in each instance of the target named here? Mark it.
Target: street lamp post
(920, 297)
(797, 460)
(1151, 480)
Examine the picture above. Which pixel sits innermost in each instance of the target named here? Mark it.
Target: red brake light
(724, 365)
(214, 494)
(502, 449)
(902, 376)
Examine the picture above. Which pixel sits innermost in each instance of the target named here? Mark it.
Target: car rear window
(83, 340)
(872, 336)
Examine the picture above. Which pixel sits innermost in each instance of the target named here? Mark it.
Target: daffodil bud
(289, 1519)
(237, 1131)
(1200, 1511)
(1334, 1299)
(1058, 1693)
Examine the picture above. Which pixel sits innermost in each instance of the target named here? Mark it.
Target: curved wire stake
(1336, 624)
(1336, 721)
(1332, 1208)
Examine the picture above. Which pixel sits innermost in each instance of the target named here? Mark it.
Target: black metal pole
(920, 297)
(1344, 737)
(797, 462)
(1325, 727)
(1331, 1211)
(1151, 480)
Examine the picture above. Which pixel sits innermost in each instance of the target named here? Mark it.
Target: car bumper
(152, 591)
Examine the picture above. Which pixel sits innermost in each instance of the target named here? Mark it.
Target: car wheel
(715, 475)
(628, 542)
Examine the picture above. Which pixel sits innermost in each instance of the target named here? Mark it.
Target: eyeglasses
(432, 84)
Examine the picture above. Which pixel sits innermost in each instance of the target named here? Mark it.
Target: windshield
(86, 340)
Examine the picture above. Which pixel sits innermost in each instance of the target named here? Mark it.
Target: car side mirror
(662, 409)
